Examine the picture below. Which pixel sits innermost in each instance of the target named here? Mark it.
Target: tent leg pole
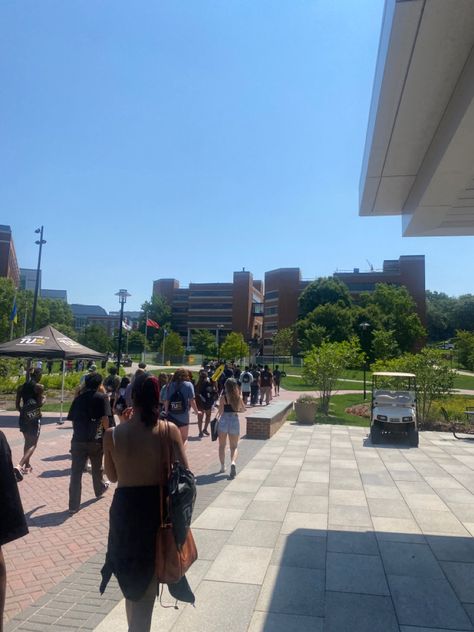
(62, 393)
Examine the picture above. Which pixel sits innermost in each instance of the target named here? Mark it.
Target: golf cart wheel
(413, 438)
(375, 435)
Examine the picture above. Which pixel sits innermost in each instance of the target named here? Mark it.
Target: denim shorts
(229, 422)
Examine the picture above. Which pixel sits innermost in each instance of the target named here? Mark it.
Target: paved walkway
(322, 531)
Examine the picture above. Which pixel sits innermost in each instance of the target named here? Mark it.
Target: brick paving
(46, 569)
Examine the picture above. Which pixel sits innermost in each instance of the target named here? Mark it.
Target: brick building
(8, 261)
(219, 307)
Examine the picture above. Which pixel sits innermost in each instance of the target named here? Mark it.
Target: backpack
(265, 378)
(177, 402)
(245, 378)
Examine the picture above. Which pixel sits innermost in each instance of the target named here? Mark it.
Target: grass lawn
(337, 414)
(297, 384)
(464, 381)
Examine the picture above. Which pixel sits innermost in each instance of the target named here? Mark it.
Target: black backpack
(178, 402)
(245, 378)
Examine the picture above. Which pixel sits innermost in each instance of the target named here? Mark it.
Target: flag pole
(15, 316)
(146, 333)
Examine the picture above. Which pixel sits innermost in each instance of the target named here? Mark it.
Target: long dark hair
(146, 396)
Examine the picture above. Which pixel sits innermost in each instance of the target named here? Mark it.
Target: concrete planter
(306, 412)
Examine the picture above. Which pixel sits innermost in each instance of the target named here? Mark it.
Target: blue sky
(188, 139)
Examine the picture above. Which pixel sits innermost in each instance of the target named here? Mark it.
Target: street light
(364, 326)
(123, 295)
(217, 339)
(39, 242)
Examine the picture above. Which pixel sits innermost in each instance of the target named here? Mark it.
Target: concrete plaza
(319, 531)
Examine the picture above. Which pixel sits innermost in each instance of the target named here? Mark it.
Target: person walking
(254, 386)
(134, 460)
(206, 395)
(13, 522)
(276, 380)
(246, 379)
(29, 399)
(230, 405)
(89, 413)
(266, 383)
(179, 399)
(121, 402)
(112, 384)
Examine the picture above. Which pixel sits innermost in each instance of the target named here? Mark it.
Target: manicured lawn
(464, 381)
(297, 384)
(337, 414)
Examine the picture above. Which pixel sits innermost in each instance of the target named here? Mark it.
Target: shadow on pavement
(58, 457)
(209, 479)
(55, 473)
(366, 581)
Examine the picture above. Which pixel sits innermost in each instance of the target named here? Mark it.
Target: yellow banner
(217, 373)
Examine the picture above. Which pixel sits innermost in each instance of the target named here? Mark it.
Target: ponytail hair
(146, 396)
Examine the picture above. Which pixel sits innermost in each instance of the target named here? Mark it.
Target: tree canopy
(234, 347)
(204, 342)
(321, 291)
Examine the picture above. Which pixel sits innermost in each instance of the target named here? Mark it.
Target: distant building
(217, 307)
(28, 279)
(55, 294)
(8, 261)
(407, 270)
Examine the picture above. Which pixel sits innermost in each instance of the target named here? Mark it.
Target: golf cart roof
(392, 374)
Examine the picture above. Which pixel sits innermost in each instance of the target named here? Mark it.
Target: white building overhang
(419, 153)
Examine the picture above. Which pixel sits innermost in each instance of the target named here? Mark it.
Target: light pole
(218, 327)
(364, 326)
(40, 243)
(165, 333)
(122, 294)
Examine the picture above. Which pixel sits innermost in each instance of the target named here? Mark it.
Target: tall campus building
(257, 309)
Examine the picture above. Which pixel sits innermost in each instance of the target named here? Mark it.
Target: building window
(271, 311)
(210, 293)
(271, 327)
(209, 306)
(272, 294)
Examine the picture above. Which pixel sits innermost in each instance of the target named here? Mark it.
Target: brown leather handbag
(171, 561)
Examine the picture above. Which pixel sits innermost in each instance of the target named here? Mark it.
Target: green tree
(464, 345)
(321, 291)
(234, 347)
(384, 345)
(309, 335)
(159, 310)
(7, 293)
(434, 377)
(323, 366)
(397, 312)
(136, 341)
(463, 313)
(174, 345)
(95, 337)
(204, 342)
(439, 315)
(67, 330)
(283, 341)
(331, 322)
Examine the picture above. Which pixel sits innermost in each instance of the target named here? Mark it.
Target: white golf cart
(393, 406)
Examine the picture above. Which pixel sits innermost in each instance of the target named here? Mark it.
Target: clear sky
(190, 138)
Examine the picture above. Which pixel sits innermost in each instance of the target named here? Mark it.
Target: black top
(265, 378)
(12, 521)
(86, 413)
(207, 394)
(228, 407)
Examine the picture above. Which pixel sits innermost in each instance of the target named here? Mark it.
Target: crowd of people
(130, 452)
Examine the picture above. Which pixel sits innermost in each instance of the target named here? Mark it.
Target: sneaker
(205, 432)
(60, 422)
(18, 473)
(201, 435)
(73, 511)
(27, 469)
(106, 487)
(233, 471)
(222, 470)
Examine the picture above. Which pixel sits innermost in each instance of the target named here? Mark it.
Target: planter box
(306, 412)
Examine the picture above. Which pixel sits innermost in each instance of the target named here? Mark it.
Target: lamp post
(364, 326)
(218, 327)
(273, 350)
(165, 333)
(39, 242)
(122, 294)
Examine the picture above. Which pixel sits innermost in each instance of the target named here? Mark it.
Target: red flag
(152, 323)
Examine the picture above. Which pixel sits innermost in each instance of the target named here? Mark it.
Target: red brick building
(8, 261)
(219, 307)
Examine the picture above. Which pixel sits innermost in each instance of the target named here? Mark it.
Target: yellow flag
(217, 373)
